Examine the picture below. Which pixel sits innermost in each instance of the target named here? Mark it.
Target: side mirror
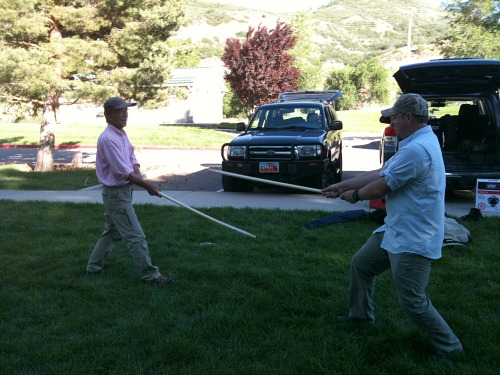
(240, 127)
(335, 125)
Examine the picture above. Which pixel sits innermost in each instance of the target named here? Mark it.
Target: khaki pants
(121, 222)
(411, 274)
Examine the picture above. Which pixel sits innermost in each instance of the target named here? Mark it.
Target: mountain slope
(343, 31)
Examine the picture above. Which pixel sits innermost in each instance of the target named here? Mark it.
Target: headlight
(308, 151)
(236, 151)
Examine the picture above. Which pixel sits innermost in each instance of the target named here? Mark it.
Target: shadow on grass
(69, 144)
(14, 140)
(22, 177)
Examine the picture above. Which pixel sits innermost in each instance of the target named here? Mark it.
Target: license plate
(269, 167)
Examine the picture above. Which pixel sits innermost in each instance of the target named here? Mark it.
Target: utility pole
(408, 50)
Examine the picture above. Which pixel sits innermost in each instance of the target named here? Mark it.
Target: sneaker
(163, 281)
(473, 215)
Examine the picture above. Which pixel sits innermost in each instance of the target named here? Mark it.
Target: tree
(306, 58)
(232, 106)
(362, 84)
(474, 29)
(83, 51)
(340, 79)
(261, 68)
(187, 55)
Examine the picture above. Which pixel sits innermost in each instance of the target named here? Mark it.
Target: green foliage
(23, 22)
(26, 76)
(187, 55)
(306, 56)
(232, 105)
(152, 72)
(341, 79)
(122, 47)
(474, 30)
(210, 48)
(366, 83)
(215, 16)
(261, 68)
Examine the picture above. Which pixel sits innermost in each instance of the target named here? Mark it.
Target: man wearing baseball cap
(117, 169)
(413, 185)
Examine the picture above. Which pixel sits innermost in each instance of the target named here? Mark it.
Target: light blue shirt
(415, 205)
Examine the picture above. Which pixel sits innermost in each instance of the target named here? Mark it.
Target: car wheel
(330, 176)
(337, 171)
(236, 185)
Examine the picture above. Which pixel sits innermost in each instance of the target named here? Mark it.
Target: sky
(283, 6)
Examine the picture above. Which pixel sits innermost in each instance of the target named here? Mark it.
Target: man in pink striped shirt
(117, 169)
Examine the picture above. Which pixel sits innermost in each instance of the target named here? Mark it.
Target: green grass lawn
(166, 136)
(141, 136)
(241, 305)
(20, 177)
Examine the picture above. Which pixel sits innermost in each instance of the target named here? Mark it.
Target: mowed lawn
(143, 135)
(240, 306)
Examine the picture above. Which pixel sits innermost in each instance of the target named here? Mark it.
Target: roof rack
(310, 95)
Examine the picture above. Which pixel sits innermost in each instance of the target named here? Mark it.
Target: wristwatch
(355, 196)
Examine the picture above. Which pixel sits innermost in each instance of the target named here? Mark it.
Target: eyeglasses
(393, 117)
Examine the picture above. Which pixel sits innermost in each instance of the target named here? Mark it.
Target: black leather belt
(116, 187)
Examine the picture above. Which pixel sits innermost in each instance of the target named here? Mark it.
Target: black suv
(295, 140)
(464, 110)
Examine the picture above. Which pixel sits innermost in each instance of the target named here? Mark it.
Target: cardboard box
(488, 195)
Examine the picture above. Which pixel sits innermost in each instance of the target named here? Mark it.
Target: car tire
(236, 185)
(328, 177)
(336, 169)
(332, 175)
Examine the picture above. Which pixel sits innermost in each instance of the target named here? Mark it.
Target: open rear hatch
(464, 112)
(450, 77)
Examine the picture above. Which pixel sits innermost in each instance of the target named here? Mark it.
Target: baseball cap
(408, 103)
(117, 103)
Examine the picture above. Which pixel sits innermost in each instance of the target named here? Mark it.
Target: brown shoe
(163, 281)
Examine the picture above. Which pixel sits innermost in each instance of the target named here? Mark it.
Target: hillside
(343, 31)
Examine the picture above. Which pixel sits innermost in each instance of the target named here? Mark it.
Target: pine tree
(86, 51)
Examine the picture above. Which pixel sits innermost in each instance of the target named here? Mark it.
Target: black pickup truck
(296, 140)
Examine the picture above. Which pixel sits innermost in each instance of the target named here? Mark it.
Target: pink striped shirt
(115, 157)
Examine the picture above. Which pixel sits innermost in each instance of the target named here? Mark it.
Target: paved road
(187, 169)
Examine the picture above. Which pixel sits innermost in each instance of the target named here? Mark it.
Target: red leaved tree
(261, 68)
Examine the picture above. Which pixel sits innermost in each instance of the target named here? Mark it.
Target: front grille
(270, 152)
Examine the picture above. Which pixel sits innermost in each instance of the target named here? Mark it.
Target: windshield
(287, 117)
(454, 107)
